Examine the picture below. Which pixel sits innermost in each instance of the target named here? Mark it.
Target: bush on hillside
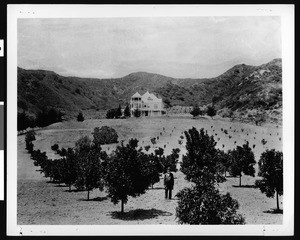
(48, 117)
(80, 117)
(104, 135)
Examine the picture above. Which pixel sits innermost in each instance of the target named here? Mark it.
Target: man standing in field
(168, 183)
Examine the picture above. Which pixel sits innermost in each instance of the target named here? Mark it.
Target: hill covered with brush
(243, 91)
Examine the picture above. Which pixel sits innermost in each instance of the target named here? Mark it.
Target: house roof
(150, 95)
(136, 95)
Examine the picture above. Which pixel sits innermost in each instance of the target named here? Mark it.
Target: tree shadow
(244, 186)
(61, 185)
(139, 214)
(97, 199)
(75, 190)
(156, 188)
(274, 211)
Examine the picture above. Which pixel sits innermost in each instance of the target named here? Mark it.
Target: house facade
(148, 104)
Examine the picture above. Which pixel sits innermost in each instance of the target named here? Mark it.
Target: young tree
(153, 141)
(202, 203)
(80, 117)
(199, 164)
(271, 170)
(55, 147)
(242, 161)
(127, 112)
(69, 166)
(88, 166)
(211, 111)
(126, 173)
(147, 148)
(207, 206)
(223, 163)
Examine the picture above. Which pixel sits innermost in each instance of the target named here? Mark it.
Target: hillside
(243, 91)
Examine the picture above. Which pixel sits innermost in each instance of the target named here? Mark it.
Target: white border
(94, 11)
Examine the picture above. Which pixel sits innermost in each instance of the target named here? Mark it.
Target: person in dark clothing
(168, 183)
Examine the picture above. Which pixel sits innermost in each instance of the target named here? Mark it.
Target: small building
(148, 104)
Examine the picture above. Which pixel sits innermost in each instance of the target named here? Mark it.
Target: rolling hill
(243, 91)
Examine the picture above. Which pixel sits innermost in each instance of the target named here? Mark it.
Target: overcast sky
(191, 47)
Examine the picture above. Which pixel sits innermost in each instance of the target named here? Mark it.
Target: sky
(179, 47)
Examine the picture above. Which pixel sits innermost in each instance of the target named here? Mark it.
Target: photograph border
(286, 12)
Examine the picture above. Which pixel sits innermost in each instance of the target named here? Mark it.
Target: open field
(40, 202)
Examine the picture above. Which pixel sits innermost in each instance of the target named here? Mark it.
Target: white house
(148, 104)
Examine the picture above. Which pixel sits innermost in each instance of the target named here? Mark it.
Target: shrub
(136, 113)
(110, 114)
(25, 121)
(202, 203)
(104, 135)
(55, 147)
(80, 117)
(211, 111)
(196, 206)
(47, 117)
(196, 111)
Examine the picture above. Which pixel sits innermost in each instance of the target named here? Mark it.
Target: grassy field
(41, 202)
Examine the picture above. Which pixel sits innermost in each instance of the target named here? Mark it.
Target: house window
(155, 106)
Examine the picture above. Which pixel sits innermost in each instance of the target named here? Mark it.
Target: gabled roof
(151, 95)
(136, 95)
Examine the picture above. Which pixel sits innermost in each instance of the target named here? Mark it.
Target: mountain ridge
(236, 89)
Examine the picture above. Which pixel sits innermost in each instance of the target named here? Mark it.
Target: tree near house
(127, 111)
(211, 111)
(271, 171)
(242, 161)
(136, 113)
(126, 173)
(196, 111)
